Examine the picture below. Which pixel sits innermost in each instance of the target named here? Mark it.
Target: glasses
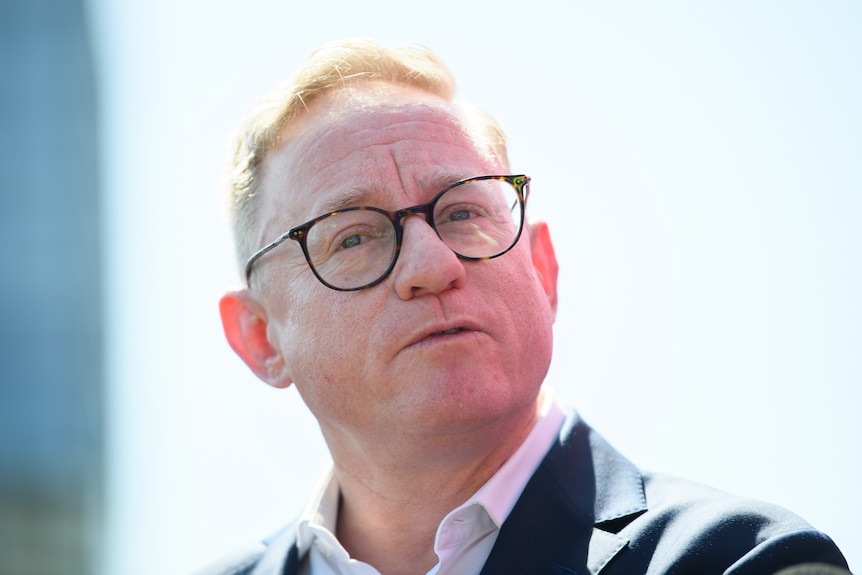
(479, 218)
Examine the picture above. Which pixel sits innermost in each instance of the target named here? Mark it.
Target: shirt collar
(497, 496)
(500, 493)
(320, 513)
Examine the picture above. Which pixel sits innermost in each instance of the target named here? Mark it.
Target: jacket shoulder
(672, 500)
(695, 528)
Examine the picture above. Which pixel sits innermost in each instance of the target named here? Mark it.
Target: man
(380, 234)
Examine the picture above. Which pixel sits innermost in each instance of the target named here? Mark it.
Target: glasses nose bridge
(426, 210)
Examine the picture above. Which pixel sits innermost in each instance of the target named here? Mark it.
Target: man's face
(442, 345)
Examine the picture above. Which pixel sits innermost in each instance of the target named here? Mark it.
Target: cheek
(529, 310)
(322, 336)
(330, 359)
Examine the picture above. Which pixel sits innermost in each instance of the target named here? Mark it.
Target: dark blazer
(588, 510)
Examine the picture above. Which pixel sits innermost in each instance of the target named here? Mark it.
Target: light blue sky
(699, 165)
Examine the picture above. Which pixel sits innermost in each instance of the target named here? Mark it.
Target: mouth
(442, 335)
(448, 331)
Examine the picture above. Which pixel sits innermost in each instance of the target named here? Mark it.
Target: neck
(396, 493)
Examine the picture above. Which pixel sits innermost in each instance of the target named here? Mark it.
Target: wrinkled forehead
(375, 113)
(351, 134)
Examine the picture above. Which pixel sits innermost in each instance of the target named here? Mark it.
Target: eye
(350, 242)
(461, 212)
(460, 215)
(357, 235)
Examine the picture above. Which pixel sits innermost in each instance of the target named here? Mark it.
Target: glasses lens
(352, 248)
(479, 218)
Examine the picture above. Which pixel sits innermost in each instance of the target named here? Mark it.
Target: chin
(459, 406)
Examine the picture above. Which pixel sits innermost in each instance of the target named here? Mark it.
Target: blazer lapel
(566, 520)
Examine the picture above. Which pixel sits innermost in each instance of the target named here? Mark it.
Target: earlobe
(544, 259)
(245, 327)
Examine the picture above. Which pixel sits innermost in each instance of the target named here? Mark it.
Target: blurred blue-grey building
(50, 302)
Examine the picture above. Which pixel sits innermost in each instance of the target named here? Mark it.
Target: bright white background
(699, 164)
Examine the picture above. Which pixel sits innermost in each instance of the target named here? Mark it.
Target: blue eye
(351, 242)
(460, 215)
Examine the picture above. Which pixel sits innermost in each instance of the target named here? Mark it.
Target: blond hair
(328, 68)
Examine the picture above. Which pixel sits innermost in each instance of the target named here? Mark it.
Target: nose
(425, 265)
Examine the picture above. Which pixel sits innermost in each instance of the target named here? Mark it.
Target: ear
(245, 327)
(544, 259)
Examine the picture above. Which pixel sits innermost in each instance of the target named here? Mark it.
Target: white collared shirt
(466, 535)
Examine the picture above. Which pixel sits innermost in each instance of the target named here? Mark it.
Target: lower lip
(441, 338)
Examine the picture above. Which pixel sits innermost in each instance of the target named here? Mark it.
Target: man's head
(442, 345)
(329, 68)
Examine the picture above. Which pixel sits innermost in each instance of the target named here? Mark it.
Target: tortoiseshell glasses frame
(353, 248)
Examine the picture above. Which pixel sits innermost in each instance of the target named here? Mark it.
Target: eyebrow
(443, 178)
(357, 196)
(352, 197)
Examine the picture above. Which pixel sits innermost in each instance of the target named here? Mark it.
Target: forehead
(375, 110)
(354, 121)
(379, 142)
